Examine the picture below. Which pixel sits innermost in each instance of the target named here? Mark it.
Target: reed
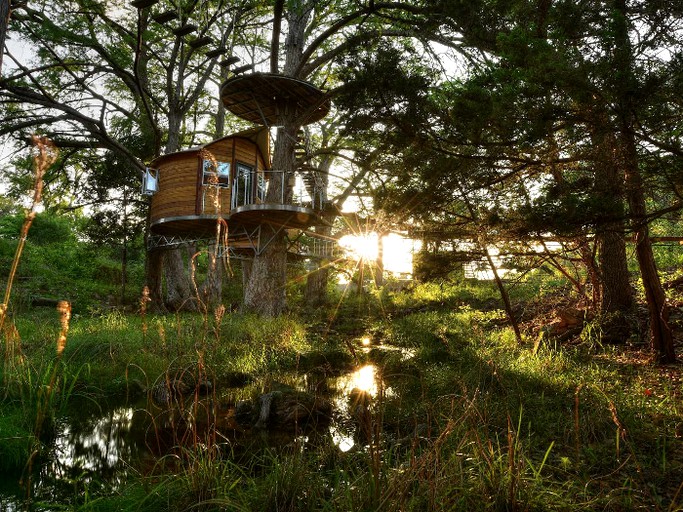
(45, 155)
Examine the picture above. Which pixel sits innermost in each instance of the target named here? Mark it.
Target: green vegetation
(466, 419)
(540, 138)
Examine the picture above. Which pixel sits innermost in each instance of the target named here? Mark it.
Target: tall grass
(39, 391)
(465, 418)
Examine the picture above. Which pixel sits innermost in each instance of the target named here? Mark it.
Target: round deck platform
(199, 225)
(258, 97)
(281, 215)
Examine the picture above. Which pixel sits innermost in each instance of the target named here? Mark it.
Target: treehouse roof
(262, 97)
(259, 136)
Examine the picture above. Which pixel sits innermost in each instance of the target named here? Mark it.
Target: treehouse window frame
(150, 181)
(216, 173)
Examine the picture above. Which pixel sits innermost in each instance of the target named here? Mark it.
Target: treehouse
(220, 188)
(226, 190)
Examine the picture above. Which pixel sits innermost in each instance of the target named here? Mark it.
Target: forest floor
(423, 400)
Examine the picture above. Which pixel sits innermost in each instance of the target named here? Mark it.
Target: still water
(99, 451)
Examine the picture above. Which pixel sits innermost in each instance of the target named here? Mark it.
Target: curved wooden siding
(177, 189)
(180, 189)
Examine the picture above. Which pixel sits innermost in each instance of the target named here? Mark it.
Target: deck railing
(316, 247)
(251, 188)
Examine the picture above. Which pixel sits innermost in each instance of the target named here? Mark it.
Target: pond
(95, 452)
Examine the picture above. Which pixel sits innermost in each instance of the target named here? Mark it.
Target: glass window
(150, 182)
(216, 173)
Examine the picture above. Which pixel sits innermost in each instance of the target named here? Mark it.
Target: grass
(466, 419)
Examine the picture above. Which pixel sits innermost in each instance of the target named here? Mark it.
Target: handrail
(316, 247)
(253, 187)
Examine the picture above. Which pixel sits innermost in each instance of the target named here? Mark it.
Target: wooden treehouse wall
(181, 191)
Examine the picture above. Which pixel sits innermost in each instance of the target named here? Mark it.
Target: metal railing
(316, 247)
(254, 187)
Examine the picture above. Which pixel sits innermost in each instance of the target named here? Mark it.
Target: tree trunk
(315, 293)
(211, 289)
(660, 333)
(503, 294)
(661, 336)
(265, 292)
(5, 12)
(379, 263)
(616, 295)
(154, 279)
(179, 288)
(588, 261)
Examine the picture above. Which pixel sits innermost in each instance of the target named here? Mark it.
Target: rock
(265, 405)
(245, 413)
(165, 392)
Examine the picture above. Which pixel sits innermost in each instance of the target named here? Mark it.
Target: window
(243, 186)
(216, 173)
(150, 181)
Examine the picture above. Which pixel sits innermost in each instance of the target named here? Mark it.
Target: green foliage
(45, 229)
(17, 440)
(501, 426)
(57, 264)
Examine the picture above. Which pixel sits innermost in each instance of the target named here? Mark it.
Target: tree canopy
(488, 123)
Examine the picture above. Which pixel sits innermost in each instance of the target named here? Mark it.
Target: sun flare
(363, 379)
(396, 251)
(361, 247)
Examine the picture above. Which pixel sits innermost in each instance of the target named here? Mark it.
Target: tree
(109, 80)
(5, 11)
(319, 34)
(554, 111)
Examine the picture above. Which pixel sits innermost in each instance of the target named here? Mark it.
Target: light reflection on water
(363, 379)
(102, 445)
(102, 449)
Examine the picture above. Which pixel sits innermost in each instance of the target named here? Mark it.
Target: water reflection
(363, 379)
(94, 450)
(96, 445)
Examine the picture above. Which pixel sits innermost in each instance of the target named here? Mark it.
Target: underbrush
(465, 418)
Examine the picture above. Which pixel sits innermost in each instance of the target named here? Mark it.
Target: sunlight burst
(361, 246)
(396, 251)
(363, 379)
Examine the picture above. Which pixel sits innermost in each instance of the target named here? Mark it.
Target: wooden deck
(287, 216)
(284, 216)
(259, 97)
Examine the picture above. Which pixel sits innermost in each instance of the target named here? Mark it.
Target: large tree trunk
(315, 293)
(616, 295)
(154, 280)
(661, 336)
(210, 290)
(265, 292)
(180, 294)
